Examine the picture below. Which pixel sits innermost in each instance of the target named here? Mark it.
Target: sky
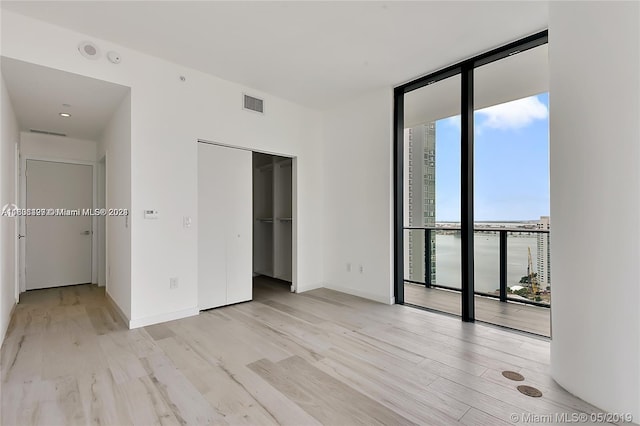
(511, 175)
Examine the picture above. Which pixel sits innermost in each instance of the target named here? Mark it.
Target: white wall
(57, 147)
(358, 196)
(115, 143)
(595, 201)
(8, 226)
(167, 118)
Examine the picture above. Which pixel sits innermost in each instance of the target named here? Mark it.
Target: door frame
(294, 202)
(101, 224)
(22, 253)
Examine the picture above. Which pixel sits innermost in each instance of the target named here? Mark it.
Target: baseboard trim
(302, 289)
(3, 333)
(114, 305)
(365, 295)
(169, 316)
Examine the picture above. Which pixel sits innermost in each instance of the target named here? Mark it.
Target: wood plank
(102, 319)
(124, 364)
(475, 417)
(22, 358)
(296, 313)
(20, 402)
(411, 400)
(159, 331)
(103, 400)
(146, 405)
(187, 404)
(477, 400)
(313, 389)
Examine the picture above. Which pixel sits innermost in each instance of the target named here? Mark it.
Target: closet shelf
(273, 216)
(265, 167)
(284, 163)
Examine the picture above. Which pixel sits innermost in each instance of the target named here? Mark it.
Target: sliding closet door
(239, 202)
(224, 225)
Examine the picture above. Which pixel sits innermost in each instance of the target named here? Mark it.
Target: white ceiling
(38, 94)
(511, 78)
(313, 53)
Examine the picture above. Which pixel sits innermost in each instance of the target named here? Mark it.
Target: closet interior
(272, 216)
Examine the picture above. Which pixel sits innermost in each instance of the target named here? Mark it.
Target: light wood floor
(321, 357)
(529, 318)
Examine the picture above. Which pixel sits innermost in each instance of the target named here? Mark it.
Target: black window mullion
(398, 190)
(466, 193)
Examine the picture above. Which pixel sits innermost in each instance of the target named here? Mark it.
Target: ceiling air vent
(44, 132)
(253, 104)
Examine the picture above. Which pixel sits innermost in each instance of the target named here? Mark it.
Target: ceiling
(514, 77)
(38, 94)
(316, 54)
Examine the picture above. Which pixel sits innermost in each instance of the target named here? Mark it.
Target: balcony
(512, 274)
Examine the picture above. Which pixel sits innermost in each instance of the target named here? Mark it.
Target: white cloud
(453, 121)
(514, 114)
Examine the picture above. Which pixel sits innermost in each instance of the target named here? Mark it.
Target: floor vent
(253, 104)
(529, 391)
(512, 375)
(44, 132)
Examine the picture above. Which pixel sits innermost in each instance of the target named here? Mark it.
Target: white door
(58, 248)
(224, 225)
(240, 231)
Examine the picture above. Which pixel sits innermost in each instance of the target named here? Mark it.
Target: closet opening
(272, 224)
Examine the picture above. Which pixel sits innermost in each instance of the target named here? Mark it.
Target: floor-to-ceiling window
(472, 189)
(511, 190)
(431, 180)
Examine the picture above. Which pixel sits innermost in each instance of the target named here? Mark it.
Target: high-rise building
(420, 201)
(544, 252)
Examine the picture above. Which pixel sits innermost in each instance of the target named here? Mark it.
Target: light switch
(186, 222)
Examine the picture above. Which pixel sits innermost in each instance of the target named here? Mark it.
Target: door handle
(86, 232)
(20, 236)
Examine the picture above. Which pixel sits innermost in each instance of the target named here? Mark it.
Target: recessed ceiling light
(65, 114)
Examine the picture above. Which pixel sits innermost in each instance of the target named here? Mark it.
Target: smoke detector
(89, 50)
(114, 57)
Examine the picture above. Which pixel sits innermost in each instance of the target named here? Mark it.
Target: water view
(487, 261)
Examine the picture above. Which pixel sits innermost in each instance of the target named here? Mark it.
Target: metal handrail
(447, 228)
(503, 261)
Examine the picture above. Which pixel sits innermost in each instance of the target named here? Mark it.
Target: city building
(544, 252)
(420, 202)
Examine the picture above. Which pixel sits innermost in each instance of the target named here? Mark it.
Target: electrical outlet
(348, 267)
(361, 269)
(173, 282)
